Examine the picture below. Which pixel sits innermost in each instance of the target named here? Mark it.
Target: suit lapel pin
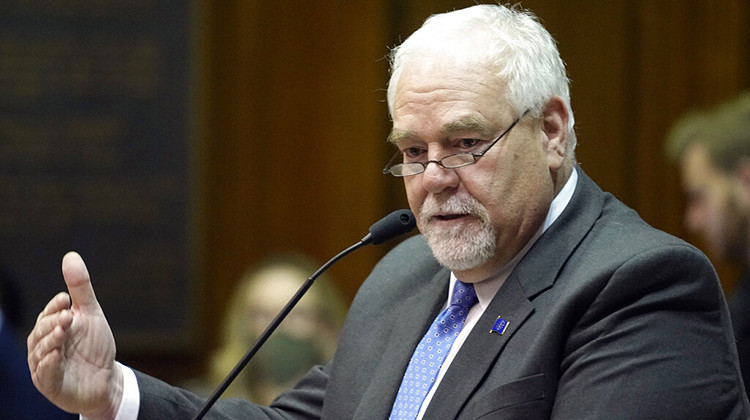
(500, 326)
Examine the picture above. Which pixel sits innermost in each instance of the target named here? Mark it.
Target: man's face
(716, 208)
(475, 218)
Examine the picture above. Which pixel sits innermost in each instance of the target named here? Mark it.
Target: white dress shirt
(486, 290)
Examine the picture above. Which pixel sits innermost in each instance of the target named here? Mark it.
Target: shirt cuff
(131, 396)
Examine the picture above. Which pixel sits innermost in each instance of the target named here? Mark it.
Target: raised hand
(72, 350)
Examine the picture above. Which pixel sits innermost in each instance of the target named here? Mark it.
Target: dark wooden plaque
(96, 157)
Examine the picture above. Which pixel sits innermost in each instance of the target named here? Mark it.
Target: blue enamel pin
(500, 326)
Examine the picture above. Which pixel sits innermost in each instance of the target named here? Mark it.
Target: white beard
(458, 247)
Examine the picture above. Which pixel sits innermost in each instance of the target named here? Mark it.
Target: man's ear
(555, 128)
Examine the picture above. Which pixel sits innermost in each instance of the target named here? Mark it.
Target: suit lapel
(411, 318)
(540, 267)
(479, 351)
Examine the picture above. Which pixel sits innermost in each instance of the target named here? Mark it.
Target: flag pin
(500, 326)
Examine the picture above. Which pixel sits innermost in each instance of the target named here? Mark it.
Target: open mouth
(448, 216)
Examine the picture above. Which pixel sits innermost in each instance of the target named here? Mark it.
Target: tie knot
(464, 295)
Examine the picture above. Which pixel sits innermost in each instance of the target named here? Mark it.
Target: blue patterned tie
(429, 355)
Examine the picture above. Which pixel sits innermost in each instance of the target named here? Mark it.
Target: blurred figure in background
(307, 337)
(712, 147)
(19, 399)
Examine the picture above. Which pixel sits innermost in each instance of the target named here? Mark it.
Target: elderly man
(531, 294)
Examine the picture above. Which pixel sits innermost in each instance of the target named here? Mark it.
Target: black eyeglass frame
(389, 169)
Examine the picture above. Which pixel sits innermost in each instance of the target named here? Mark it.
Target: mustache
(453, 204)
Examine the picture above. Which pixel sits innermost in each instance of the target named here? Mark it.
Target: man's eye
(468, 143)
(412, 153)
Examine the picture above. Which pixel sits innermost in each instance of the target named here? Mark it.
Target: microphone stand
(273, 325)
(392, 225)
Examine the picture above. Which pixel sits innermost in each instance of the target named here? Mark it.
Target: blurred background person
(712, 148)
(19, 399)
(307, 337)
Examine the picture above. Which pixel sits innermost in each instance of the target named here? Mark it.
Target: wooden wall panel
(292, 127)
(691, 54)
(294, 136)
(595, 40)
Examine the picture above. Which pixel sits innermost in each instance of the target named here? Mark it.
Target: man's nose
(436, 178)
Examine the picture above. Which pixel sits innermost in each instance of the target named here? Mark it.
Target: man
(713, 150)
(557, 300)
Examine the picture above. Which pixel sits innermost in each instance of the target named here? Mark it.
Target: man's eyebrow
(396, 135)
(471, 123)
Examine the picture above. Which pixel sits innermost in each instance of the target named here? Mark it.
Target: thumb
(78, 281)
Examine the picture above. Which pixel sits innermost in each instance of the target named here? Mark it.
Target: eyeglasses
(457, 160)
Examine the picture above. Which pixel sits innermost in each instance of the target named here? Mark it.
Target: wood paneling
(292, 137)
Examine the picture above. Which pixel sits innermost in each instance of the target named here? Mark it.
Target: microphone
(395, 224)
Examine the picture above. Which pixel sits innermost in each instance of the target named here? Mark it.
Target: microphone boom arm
(394, 224)
(271, 328)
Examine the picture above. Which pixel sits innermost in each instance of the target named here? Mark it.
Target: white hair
(508, 40)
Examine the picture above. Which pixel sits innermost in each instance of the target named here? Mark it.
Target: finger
(56, 304)
(45, 362)
(78, 281)
(47, 323)
(48, 318)
(49, 332)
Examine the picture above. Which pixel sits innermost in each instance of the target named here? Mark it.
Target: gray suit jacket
(739, 312)
(608, 319)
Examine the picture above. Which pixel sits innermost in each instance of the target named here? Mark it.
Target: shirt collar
(487, 289)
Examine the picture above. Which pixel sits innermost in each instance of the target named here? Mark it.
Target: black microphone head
(397, 223)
